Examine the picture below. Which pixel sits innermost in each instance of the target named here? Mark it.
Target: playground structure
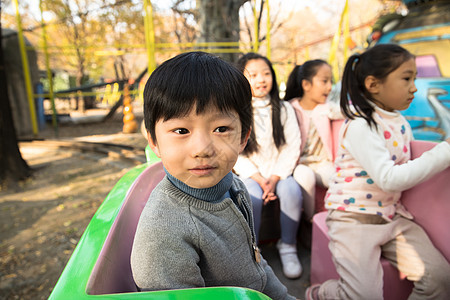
(423, 31)
(110, 93)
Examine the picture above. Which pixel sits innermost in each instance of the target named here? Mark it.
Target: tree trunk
(219, 22)
(13, 167)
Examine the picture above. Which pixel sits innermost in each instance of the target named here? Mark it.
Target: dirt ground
(43, 219)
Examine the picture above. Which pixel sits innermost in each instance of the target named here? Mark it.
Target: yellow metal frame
(26, 71)
(344, 27)
(256, 43)
(149, 35)
(49, 72)
(269, 53)
(150, 47)
(256, 28)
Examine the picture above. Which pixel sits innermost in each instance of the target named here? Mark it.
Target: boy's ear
(245, 140)
(372, 84)
(153, 145)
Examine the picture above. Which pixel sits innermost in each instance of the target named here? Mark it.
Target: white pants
(357, 242)
(307, 177)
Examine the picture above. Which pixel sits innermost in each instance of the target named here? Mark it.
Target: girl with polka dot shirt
(373, 164)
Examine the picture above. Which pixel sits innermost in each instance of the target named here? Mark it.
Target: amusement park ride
(425, 32)
(100, 267)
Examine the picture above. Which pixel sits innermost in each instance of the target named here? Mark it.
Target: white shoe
(291, 265)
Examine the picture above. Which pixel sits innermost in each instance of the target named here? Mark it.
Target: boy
(196, 229)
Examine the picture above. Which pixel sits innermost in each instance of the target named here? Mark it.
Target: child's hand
(264, 183)
(271, 185)
(270, 197)
(268, 192)
(272, 182)
(268, 186)
(448, 140)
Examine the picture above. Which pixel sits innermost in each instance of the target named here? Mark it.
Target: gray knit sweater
(184, 242)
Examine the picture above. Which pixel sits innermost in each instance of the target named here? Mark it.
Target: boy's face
(199, 149)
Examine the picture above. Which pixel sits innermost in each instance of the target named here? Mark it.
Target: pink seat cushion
(429, 202)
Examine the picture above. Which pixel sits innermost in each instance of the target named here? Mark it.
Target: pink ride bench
(429, 202)
(112, 272)
(320, 191)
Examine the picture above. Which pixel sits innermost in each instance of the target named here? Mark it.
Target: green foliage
(59, 83)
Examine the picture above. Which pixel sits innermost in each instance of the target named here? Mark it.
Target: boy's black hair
(307, 71)
(379, 61)
(277, 127)
(196, 79)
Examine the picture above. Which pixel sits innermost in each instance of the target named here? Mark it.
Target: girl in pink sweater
(307, 90)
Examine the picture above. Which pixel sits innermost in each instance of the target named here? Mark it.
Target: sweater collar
(212, 194)
(261, 102)
(384, 113)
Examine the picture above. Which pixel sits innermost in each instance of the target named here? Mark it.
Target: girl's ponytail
(353, 91)
(294, 87)
(349, 85)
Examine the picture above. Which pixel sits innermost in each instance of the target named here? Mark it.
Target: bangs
(197, 80)
(197, 86)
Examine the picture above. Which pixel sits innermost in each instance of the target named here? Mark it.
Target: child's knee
(289, 189)
(367, 291)
(437, 282)
(305, 176)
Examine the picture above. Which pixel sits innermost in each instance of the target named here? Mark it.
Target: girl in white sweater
(267, 173)
(366, 220)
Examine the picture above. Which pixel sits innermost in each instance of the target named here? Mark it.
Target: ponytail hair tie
(355, 61)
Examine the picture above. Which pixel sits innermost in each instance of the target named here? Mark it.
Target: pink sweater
(321, 117)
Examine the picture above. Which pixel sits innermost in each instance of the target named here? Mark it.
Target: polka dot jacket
(352, 188)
